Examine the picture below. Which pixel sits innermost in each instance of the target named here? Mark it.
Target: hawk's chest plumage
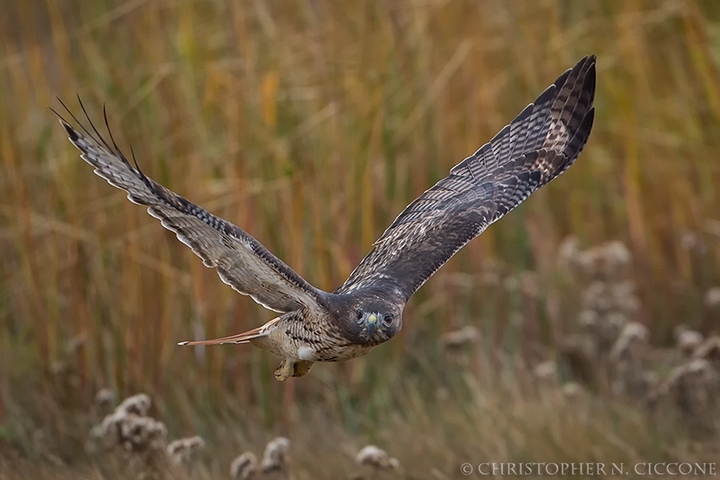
(310, 335)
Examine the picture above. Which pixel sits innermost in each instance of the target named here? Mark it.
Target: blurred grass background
(311, 124)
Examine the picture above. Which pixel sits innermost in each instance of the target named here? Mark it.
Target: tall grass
(311, 124)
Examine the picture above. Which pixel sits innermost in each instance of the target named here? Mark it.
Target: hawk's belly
(299, 341)
(330, 353)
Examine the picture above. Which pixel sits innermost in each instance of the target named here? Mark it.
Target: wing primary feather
(115, 148)
(137, 167)
(92, 125)
(66, 125)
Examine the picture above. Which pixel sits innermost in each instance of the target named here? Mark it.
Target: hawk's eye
(359, 314)
(387, 319)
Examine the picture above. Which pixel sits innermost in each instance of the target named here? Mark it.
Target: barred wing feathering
(241, 261)
(540, 144)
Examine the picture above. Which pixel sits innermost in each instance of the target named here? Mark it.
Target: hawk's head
(377, 326)
(371, 319)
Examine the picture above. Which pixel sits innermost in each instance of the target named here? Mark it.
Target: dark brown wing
(242, 262)
(540, 144)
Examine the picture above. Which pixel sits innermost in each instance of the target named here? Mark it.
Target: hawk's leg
(302, 367)
(288, 369)
(284, 371)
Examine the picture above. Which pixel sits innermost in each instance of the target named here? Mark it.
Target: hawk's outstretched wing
(242, 262)
(540, 144)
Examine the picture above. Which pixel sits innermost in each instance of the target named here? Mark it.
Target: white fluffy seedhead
(130, 428)
(142, 433)
(712, 298)
(138, 404)
(244, 467)
(377, 458)
(459, 338)
(710, 351)
(275, 456)
(688, 341)
(105, 398)
(633, 338)
(181, 451)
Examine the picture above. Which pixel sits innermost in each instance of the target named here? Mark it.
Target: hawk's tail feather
(239, 338)
(244, 337)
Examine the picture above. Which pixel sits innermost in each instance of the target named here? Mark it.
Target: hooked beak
(371, 323)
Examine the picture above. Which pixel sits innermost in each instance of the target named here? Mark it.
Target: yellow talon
(284, 371)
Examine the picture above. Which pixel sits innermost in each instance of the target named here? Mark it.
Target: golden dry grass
(312, 124)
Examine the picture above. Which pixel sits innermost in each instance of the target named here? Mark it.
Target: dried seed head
(633, 338)
(275, 456)
(604, 329)
(688, 341)
(138, 404)
(710, 351)
(589, 320)
(546, 371)
(107, 433)
(181, 451)
(712, 298)
(244, 467)
(608, 262)
(377, 458)
(142, 433)
(628, 362)
(105, 398)
(694, 387)
(459, 338)
(128, 427)
(568, 252)
(617, 255)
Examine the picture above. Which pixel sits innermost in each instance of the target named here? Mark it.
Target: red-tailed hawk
(316, 326)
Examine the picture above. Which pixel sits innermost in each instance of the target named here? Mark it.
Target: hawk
(316, 326)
